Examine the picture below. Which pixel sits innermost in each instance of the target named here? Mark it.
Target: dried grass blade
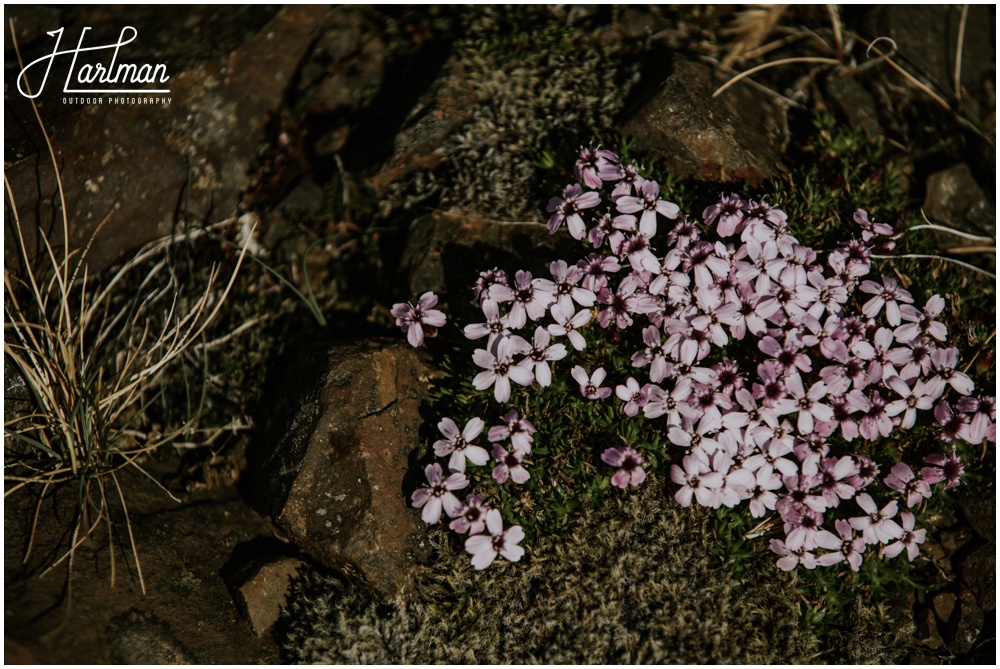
(131, 536)
(774, 63)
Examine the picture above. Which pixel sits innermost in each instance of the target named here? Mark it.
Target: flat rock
(260, 587)
(330, 472)
(736, 136)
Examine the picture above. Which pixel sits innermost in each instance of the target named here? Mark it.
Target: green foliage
(733, 549)
(567, 474)
(842, 172)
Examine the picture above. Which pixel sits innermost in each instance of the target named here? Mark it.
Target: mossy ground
(632, 582)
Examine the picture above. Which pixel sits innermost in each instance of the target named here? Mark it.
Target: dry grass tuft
(93, 356)
(750, 28)
(93, 364)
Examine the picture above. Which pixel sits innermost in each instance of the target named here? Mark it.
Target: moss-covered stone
(520, 81)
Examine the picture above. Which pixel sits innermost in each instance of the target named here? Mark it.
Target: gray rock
(260, 588)
(944, 604)
(955, 199)
(343, 74)
(330, 473)
(346, 65)
(970, 623)
(855, 102)
(738, 135)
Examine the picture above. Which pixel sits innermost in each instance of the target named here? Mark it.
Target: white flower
(459, 444)
(590, 386)
(499, 368)
(485, 548)
(438, 494)
(540, 354)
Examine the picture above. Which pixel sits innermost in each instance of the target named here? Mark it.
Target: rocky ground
(388, 151)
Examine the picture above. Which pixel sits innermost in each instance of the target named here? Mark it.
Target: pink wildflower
(901, 478)
(438, 494)
(517, 429)
(944, 467)
(629, 464)
(499, 368)
(509, 465)
(459, 444)
(877, 526)
(647, 201)
(635, 397)
(413, 319)
(485, 547)
(792, 558)
(908, 539)
(697, 480)
(471, 517)
(590, 386)
(844, 547)
(568, 209)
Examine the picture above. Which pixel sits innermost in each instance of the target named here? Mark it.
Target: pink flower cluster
(484, 525)
(828, 355)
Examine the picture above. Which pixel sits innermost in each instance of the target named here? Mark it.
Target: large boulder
(330, 472)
